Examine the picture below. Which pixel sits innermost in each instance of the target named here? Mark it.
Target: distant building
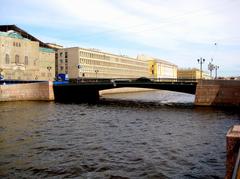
(91, 63)
(191, 73)
(55, 47)
(159, 68)
(24, 57)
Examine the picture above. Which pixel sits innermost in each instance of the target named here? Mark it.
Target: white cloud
(185, 29)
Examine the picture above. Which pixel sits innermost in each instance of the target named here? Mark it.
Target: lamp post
(211, 67)
(216, 69)
(96, 71)
(78, 77)
(49, 69)
(1, 77)
(201, 61)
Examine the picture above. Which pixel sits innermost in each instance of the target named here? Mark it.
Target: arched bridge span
(81, 91)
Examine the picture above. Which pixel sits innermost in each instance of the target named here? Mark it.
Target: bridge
(88, 89)
(207, 92)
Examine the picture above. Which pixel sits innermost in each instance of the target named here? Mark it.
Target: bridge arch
(89, 91)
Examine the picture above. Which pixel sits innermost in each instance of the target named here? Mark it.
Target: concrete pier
(218, 93)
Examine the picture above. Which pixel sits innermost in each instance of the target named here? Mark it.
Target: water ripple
(118, 138)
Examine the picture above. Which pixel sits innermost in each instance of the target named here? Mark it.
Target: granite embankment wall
(218, 93)
(42, 91)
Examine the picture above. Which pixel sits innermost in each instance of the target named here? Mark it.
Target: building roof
(24, 34)
(55, 46)
(157, 60)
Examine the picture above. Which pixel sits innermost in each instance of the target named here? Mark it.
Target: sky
(177, 31)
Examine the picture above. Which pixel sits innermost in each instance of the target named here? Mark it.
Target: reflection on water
(123, 136)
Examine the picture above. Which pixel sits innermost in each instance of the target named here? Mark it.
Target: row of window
(61, 54)
(103, 74)
(64, 69)
(93, 55)
(112, 70)
(62, 61)
(106, 57)
(17, 60)
(110, 64)
(132, 62)
(16, 44)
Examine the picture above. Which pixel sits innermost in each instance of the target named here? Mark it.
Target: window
(66, 54)
(13, 43)
(26, 60)
(7, 59)
(17, 60)
(61, 54)
(61, 68)
(66, 69)
(35, 62)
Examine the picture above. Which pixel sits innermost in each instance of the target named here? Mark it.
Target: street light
(211, 67)
(83, 74)
(216, 69)
(78, 77)
(96, 71)
(201, 61)
(49, 69)
(1, 76)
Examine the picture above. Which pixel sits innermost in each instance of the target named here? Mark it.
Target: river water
(156, 134)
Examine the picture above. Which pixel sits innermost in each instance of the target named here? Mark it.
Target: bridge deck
(178, 86)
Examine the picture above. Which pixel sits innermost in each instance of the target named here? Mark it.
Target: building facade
(192, 73)
(23, 57)
(159, 69)
(91, 63)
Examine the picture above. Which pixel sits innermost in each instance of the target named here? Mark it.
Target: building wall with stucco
(91, 63)
(191, 73)
(23, 59)
(158, 68)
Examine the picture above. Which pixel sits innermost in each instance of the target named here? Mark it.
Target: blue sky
(173, 30)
